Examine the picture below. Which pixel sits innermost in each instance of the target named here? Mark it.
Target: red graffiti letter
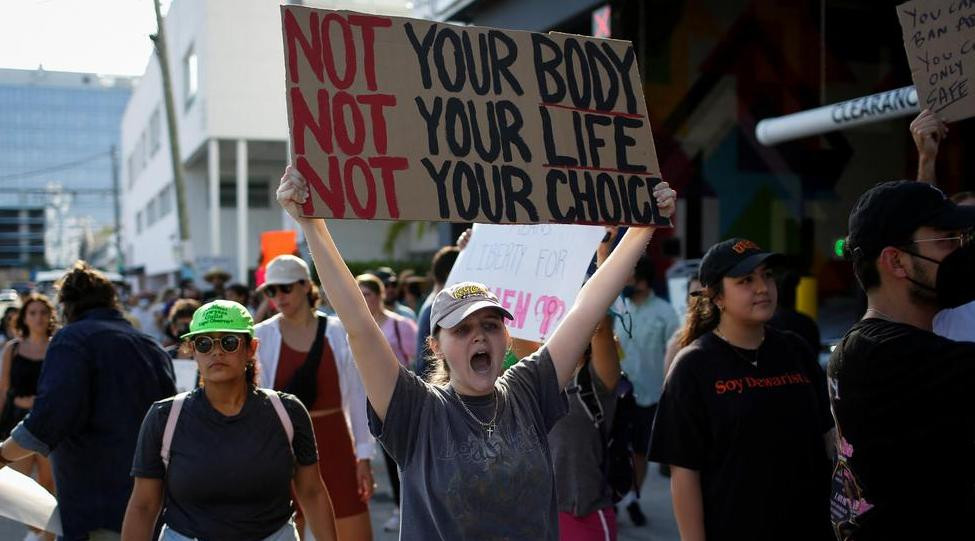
(303, 119)
(365, 211)
(368, 22)
(312, 48)
(329, 51)
(376, 102)
(350, 145)
(386, 166)
(331, 194)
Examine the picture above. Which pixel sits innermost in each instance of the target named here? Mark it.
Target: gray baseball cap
(457, 301)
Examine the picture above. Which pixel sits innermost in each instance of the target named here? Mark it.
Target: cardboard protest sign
(535, 270)
(939, 37)
(402, 119)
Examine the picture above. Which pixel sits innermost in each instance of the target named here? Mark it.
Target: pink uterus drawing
(550, 309)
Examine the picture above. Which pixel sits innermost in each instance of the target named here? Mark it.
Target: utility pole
(159, 39)
(117, 196)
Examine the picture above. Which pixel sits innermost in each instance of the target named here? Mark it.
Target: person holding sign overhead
(473, 453)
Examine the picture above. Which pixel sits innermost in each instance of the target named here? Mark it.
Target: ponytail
(702, 317)
(439, 371)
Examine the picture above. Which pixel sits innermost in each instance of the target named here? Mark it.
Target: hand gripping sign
(402, 119)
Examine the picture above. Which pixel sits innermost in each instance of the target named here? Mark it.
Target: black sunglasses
(228, 343)
(272, 290)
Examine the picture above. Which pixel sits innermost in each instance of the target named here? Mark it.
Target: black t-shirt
(755, 434)
(229, 477)
(905, 410)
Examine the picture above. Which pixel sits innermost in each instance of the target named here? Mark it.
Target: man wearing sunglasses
(902, 395)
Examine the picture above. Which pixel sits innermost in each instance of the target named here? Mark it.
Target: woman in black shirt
(220, 461)
(744, 412)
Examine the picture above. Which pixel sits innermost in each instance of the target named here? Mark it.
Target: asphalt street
(655, 500)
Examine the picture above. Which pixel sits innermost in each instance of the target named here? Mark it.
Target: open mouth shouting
(481, 362)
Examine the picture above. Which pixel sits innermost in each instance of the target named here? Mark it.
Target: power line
(72, 191)
(54, 168)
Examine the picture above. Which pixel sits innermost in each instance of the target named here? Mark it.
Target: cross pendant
(490, 429)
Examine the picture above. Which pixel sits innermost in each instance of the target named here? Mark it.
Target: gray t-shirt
(459, 484)
(229, 477)
(578, 450)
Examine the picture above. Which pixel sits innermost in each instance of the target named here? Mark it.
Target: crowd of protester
(487, 437)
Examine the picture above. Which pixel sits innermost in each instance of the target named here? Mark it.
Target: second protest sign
(403, 119)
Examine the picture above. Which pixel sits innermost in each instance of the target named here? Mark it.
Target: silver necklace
(753, 362)
(881, 314)
(489, 426)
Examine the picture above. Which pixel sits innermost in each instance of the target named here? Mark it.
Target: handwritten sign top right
(939, 37)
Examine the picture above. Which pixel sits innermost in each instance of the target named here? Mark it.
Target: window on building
(258, 193)
(140, 152)
(138, 222)
(191, 76)
(155, 132)
(152, 212)
(166, 200)
(133, 172)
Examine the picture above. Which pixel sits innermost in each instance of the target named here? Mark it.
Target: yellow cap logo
(470, 290)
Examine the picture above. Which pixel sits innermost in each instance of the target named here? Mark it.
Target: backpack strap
(289, 428)
(178, 400)
(590, 401)
(167, 439)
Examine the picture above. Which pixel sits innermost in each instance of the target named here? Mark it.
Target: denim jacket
(99, 377)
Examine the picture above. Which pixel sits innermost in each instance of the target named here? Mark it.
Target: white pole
(242, 237)
(213, 185)
(838, 116)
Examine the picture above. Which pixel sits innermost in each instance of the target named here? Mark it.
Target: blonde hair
(439, 371)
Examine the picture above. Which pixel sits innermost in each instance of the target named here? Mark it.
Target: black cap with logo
(733, 258)
(888, 215)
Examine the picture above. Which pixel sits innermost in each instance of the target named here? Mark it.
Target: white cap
(286, 269)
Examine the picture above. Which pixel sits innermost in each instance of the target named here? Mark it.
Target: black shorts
(642, 423)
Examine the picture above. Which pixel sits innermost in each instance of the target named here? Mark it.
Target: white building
(227, 64)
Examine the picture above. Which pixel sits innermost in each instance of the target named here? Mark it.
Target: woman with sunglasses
(308, 355)
(744, 419)
(217, 460)
(474, 458)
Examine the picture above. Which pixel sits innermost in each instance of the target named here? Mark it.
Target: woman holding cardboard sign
(473, 454)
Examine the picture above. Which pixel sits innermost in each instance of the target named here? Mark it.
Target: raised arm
(928, 131)
(569, 340)
(375, 359)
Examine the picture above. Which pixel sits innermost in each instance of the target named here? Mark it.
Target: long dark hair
(703, 315)
(52, 316)
(84, 288)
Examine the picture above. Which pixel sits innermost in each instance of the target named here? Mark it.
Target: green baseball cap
(221, 316)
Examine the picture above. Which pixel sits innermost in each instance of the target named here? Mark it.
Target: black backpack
(618, 465)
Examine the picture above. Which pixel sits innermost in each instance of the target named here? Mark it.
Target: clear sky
(98, 36)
